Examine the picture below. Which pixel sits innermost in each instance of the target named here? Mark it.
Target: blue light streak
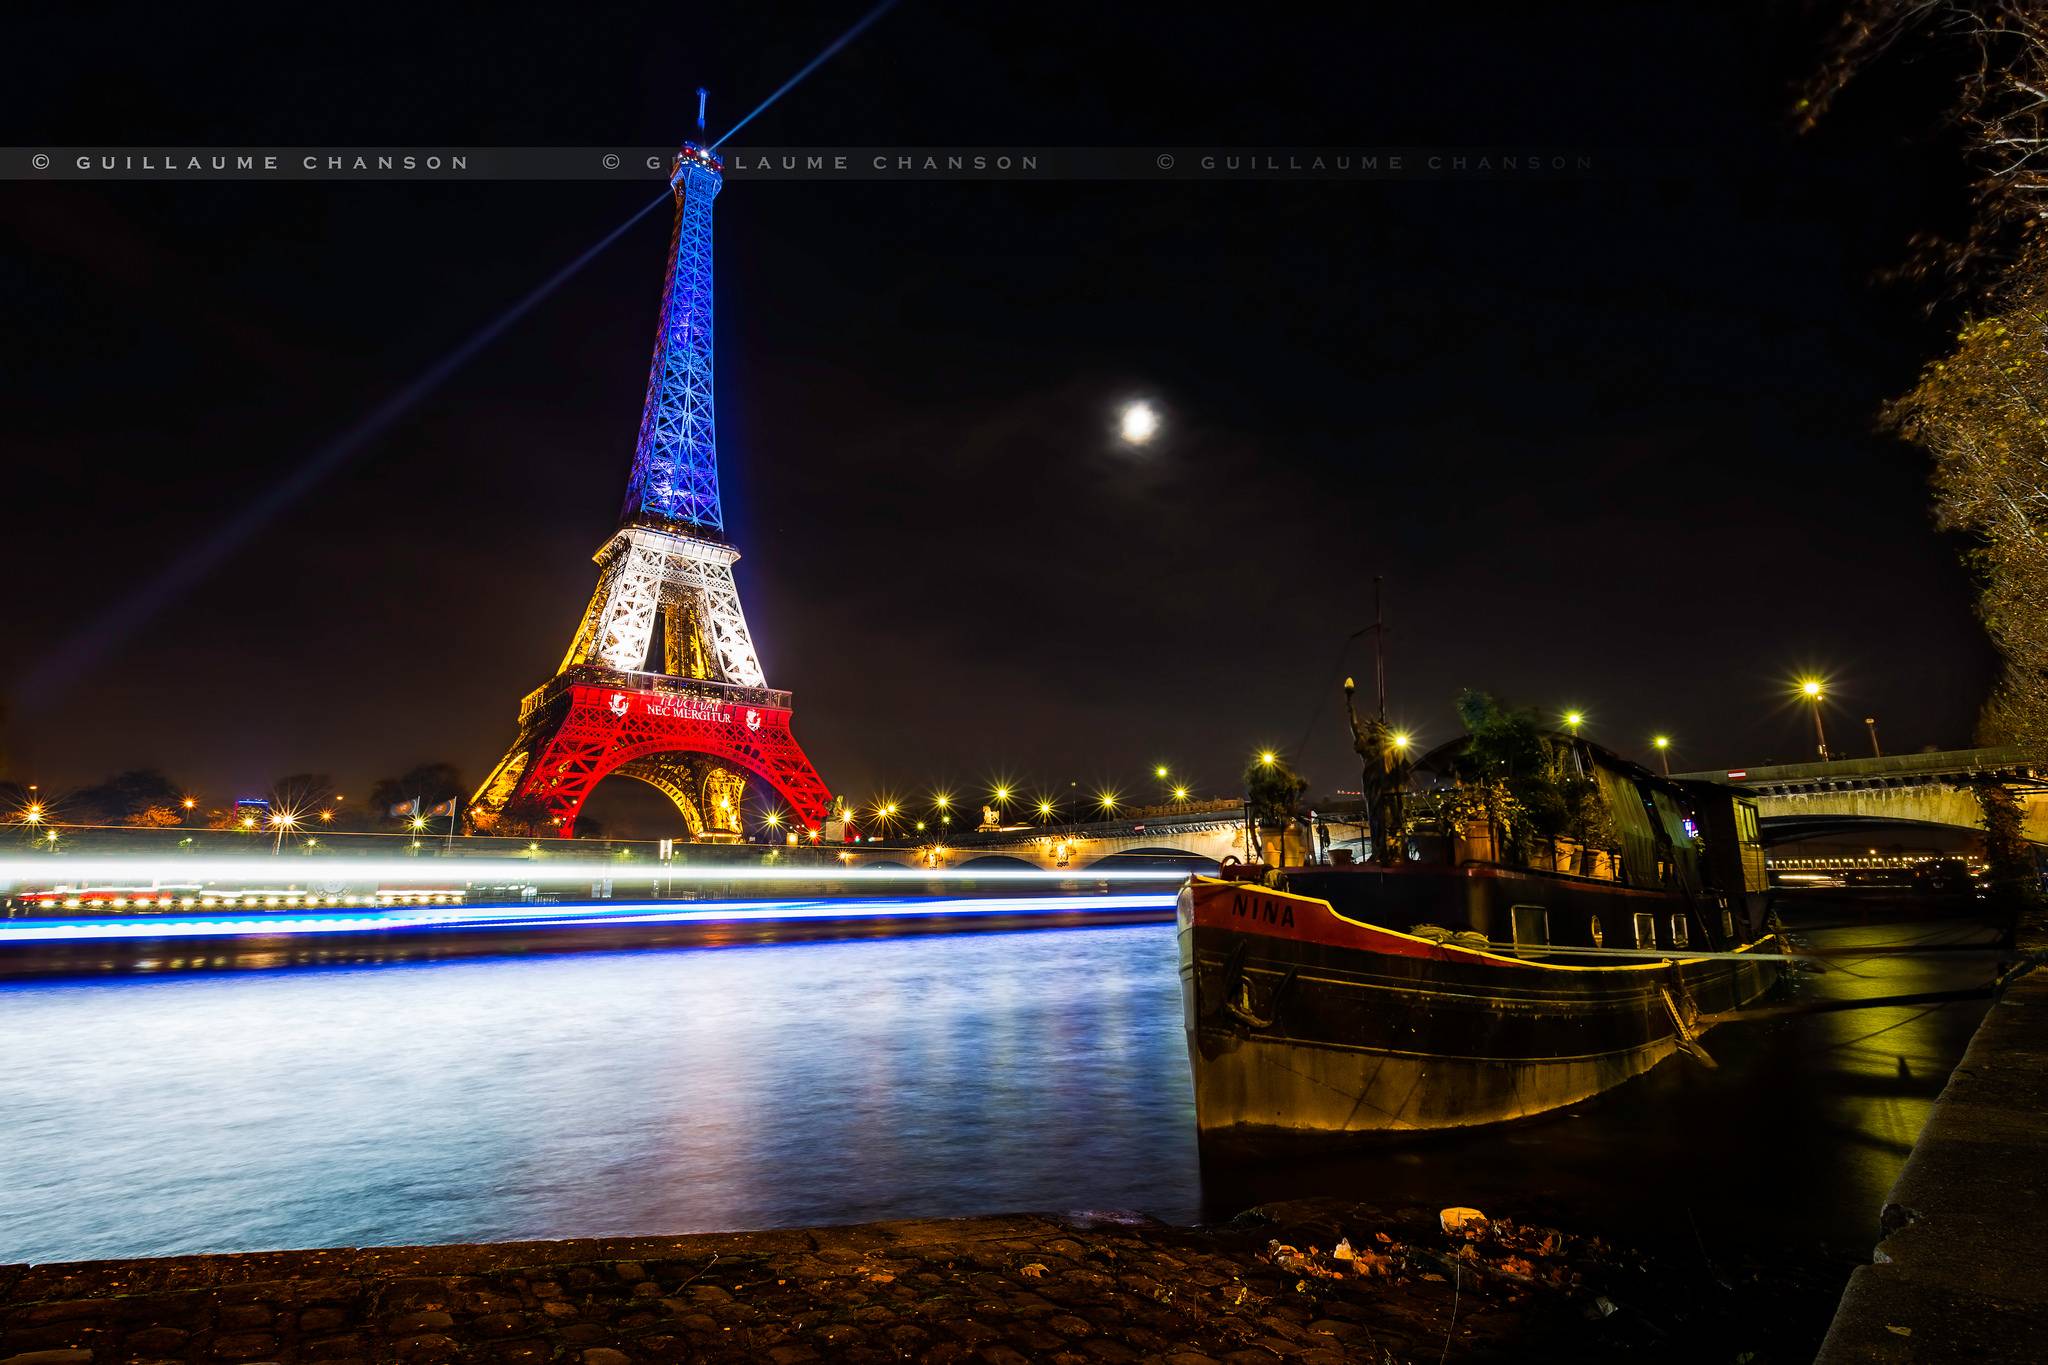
(877, 12)
(86, 647)
(714, 914)
(95, 641)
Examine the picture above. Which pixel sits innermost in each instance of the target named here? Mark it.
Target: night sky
(1609, 438)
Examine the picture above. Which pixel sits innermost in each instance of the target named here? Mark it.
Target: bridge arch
(992, 862)
(1785, 829)
(1156, 856)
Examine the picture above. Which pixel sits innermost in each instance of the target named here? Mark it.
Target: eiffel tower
(706, 724)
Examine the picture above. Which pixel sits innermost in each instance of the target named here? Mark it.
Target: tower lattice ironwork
(702, 724)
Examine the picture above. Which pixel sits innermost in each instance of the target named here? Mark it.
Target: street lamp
(1663, 743)
(1573, 720)
(1401, 741)
(1106, 800)
(1180, 793)
(1044, 811)
(1267, 758)
(1813, 690)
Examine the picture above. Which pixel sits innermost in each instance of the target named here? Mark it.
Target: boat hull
(1301, 1021)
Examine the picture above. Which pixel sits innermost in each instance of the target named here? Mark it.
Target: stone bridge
(1799, 800)
(1179, 843)
(1794, 801)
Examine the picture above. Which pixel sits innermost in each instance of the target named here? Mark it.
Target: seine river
(681, 1090)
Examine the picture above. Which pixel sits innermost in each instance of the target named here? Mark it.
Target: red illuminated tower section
(702, 724)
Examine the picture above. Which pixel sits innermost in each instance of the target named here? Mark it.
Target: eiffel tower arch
(702, 726)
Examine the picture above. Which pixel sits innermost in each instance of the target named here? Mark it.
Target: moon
(1138, 423)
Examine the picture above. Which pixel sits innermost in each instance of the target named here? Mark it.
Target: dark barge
(1452, 987)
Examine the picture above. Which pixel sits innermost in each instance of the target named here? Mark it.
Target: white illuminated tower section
(701, 724)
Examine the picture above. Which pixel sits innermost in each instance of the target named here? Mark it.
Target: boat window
(1728, 925)
(1678, 933)
(1646, 931)
(1599, 938)
(1532, 926)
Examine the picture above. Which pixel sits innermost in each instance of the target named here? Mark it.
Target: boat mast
(1379, 646)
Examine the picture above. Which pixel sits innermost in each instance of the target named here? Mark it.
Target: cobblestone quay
(1310, 1282)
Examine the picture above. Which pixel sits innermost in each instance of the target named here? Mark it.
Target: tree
(1999, 53)
(1981, 412)
(301, 791)
(126, 794)
(2013, 881)
(527, 818)
(1521, 777)
(155, 817)
(1502, 771)
(1273, 792)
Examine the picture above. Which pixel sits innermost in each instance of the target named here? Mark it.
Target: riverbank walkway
(1072, 1289)
(1313, 1281)
(1961, 1270)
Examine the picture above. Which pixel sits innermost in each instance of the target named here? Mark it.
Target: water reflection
(679, 1090)
(1793, 1139)
(595, 1093)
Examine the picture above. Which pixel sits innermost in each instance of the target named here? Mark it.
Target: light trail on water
(267, 871)
(483, 918)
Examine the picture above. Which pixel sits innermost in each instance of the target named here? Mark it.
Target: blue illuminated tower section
(675, 464)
